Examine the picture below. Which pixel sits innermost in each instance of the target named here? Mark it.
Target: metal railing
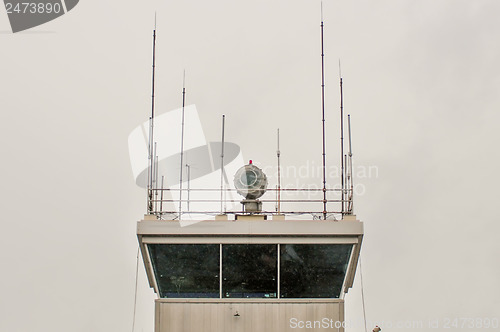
(165, 203)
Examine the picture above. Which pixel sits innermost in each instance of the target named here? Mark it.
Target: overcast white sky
(421, 82)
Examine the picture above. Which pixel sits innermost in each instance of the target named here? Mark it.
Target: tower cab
(250, 274)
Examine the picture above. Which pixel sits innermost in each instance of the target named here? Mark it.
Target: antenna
(349, 133)
(161, 196)
(151, 127)
(150, 171)
(321, 11)
(344, 204)
(155, 178)
(276, 205)
(342, 144)
(189, 183)
(222, 167)
(182, 142)
(323, 113)
(351, 192)
(278, 154)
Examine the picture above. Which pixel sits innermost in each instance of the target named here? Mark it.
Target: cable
(135, 292)
(362, 293)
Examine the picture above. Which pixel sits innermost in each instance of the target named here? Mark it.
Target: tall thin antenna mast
(278, 154)
(351, 192)
(342, 142)
(182, 142)
(222, 167)
(323, 113)
(151, 127)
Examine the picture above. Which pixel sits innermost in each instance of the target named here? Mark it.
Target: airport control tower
(250, 271)
(279, 259)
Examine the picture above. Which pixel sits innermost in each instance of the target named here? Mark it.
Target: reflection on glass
(313, 270)
(249, 270)
(249, 178)
(186, 270)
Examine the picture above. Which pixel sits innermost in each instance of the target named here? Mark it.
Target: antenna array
(345, 159)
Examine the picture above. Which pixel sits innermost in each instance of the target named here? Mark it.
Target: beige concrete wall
(253, 316)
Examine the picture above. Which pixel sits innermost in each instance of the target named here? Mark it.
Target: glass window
(249, 270)
(313, 270)
(186, 270)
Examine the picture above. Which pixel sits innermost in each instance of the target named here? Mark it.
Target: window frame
(353, 257)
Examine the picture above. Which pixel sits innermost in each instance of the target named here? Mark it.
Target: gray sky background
(421, 82)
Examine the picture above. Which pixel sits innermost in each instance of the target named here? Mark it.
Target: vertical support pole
(279, 268)
(220, 271)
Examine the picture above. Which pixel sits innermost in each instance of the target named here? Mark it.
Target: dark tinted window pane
(313, 270)
(249, 270)
(186, 270)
